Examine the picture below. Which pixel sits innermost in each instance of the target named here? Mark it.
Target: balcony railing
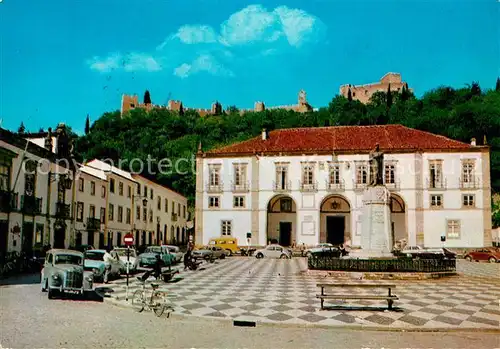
(308, 187)
(394, 186)
(63, 210)
(215, 188)
(436, 184)
(359, 186)
(31, 205)
(335, 186)
(469, 183)
(93, 224)
(5, 201)
(285, 186)
(242, 187)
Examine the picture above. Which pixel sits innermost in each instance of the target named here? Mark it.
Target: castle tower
(302, 97)
(259, 106)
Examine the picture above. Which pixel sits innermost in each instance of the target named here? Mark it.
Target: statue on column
(376, 167)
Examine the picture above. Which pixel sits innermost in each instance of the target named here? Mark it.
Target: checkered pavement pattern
(268, 290)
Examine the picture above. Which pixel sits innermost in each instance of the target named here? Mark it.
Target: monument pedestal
(376, 235)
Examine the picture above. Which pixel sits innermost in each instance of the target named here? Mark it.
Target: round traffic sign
(128, 239)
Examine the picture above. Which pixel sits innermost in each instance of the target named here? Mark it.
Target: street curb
(120, 304)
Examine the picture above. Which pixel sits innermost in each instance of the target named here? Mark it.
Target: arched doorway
(59, 234)
(78, 240)
(118, 239)
(101, 240)
(165, 237)
(137, 242)
(178, 236)
(281, 220)
(172, 235)
(398, 218)
(335, 220)
(183, 236)
(143, 238)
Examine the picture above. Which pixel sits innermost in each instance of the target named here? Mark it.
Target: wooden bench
(389, 297)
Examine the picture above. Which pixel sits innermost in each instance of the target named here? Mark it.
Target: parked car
(229, 244)
(209, 252)
(425, 253)
(133, 261)
(176, 251)
(318, 248)
(83, 248)
(63, 272)
(490, 254)
(148, 258)
(274, 251)
(94, 261)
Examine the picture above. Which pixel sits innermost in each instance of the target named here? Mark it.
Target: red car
(490, 254)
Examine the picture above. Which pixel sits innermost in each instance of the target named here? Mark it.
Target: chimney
(264, 134)
(473, 141)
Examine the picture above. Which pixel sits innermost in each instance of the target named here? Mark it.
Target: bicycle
(157, 301)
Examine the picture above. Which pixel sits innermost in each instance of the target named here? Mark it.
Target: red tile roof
(340, 139)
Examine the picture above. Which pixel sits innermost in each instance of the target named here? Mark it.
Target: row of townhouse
(306, 185)
(48, 199)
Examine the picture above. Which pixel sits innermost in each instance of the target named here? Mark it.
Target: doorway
(119, 239)
(78, 239)
(101, 241)
(335, 228)
(90, 238)
(4, 237)
(27, 244)
(59, 237)
(285, 233)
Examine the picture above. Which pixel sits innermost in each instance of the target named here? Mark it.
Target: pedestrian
(108, 259)
(187, 259)
(157, 267)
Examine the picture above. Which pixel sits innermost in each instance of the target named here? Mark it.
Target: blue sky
(61, 60)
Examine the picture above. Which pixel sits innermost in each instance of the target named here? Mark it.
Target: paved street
(276, 291)
(30, 320)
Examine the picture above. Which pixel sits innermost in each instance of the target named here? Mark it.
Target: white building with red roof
(305, 185)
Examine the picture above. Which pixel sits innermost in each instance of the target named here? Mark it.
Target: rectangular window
(4, 177)
(308, 174)
(239, 171)
(239, 201)
(103, 215)
(453, 229)
(92, 211)
(80, 184)
(138, 213)
(281, 177)
(166, 205)
(184, 211)
(127, 217)
(436, 201)
(179, 209)
(468, 172)
(120, 214)
(435, 174)
(173, 207)
(214, 174)
(151, 194)
(120, 188)
(145, 214)
(226, 228)
(150, 216)
(138, 189)
(468, 200)
(213, 201)
(145, 191)
(286, 205)
(79, 211)
(112, 185)
(334, 174)
(111, 212)
(103, 191)
(129, 191)
(362, 174)
(92, 188)
(390, 174)
(159, 203)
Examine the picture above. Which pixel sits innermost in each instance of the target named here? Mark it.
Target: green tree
(497, 87)
(147, 97)
(21, 128)
(349, 95)
(389, 96)
(87, 125)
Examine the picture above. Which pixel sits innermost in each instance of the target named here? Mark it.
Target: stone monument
(376, 237)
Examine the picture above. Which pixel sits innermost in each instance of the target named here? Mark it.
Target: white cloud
(190, 34)
(201, 48)
(130, 62)
(203, 63)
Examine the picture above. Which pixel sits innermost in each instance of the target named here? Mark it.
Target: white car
(176, 251)
(319, 248)
(274, 251)
(415, 250)
(133, 262)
